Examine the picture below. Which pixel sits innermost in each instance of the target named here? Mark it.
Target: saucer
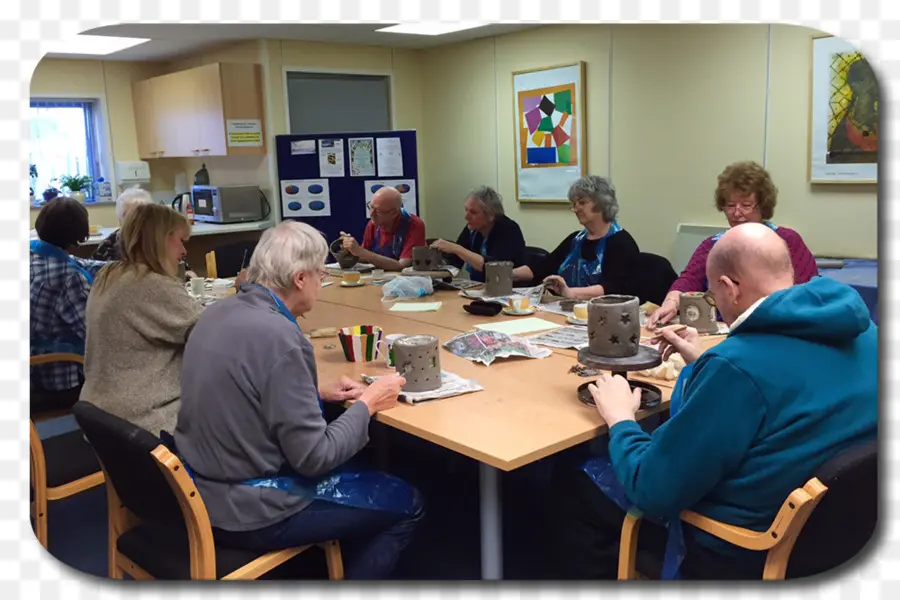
(518, 313)
(352, 283)
(573, 321)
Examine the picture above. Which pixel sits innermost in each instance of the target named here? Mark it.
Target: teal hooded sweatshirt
(792, 386)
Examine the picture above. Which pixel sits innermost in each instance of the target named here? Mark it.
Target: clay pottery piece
(426, 259)
(695, 310)
(417, 358)
(614, 327)
(344, 259)
(498, 279)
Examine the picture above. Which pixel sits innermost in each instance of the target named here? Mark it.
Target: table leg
(491, 523)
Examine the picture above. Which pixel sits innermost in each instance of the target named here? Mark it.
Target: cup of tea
(351, 277)
(519, 303)
(581, 311)
(94, 229)
(388, 351)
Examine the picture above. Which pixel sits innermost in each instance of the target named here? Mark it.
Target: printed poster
(390, 157)
(243, 132)
(305, 198)
(406, 187)
(331, 158)
(303, 147)
(362, 157)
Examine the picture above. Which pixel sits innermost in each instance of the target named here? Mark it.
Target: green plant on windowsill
(78, 185)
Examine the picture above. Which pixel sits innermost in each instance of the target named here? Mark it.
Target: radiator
(687, 238)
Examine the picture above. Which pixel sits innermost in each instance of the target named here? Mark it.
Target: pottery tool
(323, 333)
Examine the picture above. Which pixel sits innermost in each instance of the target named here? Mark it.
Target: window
(338, 103)
(63, 142)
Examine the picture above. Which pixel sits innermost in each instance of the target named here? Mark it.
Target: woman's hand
(342, 390)
(558, 286)
(445, 246)
(666, 312)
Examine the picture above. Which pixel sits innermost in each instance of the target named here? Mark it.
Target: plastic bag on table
(408, 287)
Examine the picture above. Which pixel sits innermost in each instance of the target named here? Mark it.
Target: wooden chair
(225, 260)
(38, 413)
(158, 524)
(813, 531)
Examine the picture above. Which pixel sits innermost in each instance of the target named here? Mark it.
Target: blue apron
(584, 273)
(66, 343)
(395, 248)
(473, 274)
(603, 475)
(372, 490)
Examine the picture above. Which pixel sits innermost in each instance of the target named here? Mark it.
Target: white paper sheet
(517, 326)
(416, 306)
(362, 157)
(451, 385)
(564, 337)
(406, 187)
(331, 158)
(243, 132)
(305, 198)
(390, 157)
(303, 147)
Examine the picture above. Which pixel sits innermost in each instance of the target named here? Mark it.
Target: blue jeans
(371, 540)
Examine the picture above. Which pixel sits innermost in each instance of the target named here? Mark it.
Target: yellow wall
(686, 101)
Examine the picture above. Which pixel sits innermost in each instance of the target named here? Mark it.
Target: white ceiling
(173, 40)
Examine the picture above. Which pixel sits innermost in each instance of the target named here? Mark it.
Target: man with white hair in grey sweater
(251, 430)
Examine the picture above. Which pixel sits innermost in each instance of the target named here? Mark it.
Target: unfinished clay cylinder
(426, 259)
(694, 310)
(418, 359)
(498, 279)
(614, 327)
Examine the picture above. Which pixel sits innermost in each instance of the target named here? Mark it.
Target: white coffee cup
(519, 303)
(581, 311)
(198, 286)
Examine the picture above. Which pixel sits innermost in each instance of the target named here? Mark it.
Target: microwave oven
(226, 203)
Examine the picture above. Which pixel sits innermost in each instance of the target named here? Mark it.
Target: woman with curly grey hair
(600, 259)
(489, 235)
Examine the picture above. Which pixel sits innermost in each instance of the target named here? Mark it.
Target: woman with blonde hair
(138, 319)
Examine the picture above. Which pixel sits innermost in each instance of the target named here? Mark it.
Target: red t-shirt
(415, 236)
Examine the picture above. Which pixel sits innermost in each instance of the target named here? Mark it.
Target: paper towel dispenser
(130, 173)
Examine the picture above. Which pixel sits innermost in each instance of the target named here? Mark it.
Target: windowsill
(88, 203)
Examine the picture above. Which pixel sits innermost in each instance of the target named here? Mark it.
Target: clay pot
(614, 327)
(418, 359)
(344, 259)
(425, 258)
(695, 310)
(498, 279)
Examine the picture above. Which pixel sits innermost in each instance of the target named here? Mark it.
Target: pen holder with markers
(361, 343)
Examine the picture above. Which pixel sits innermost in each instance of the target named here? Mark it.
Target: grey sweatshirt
(249, 408)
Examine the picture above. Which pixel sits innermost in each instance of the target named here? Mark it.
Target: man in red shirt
(390, 235)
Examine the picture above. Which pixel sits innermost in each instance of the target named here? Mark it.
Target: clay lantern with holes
(419, 361)
(614, 327)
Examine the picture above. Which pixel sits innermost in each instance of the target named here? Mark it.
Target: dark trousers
(588, 526)
(371, 540)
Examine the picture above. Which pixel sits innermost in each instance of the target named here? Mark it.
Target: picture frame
(843, 114)
(549, 131)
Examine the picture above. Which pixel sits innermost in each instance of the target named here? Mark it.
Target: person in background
(600, 259)
(390, 234)
(109, 249)
(489, 235)
(746, 194)
(785, 394)
(252, 429)
(60, 284)
(139, 316)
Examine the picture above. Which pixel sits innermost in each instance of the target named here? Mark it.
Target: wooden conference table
(527, 411)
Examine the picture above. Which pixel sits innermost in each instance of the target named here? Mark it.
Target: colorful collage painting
(548, 136)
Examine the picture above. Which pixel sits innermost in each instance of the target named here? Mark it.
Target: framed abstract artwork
(843, 123)
(550, 144)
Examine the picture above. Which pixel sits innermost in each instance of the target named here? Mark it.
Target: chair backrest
(534, 257)
(844, 520)
(124, 451)
(657, 276)
(229, 257)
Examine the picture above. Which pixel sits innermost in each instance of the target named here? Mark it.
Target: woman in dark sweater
(489, 235)
(600, 259)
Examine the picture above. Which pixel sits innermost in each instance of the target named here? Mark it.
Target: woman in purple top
(746, 194)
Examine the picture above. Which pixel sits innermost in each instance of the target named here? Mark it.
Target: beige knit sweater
(136, 333)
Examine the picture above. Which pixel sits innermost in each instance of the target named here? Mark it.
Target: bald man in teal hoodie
(794, 384)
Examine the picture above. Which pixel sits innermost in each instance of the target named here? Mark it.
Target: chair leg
(628, 545)
(334, 560)
(39, 485)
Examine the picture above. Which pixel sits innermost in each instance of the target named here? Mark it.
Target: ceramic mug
(581, 311)
(388, 353)
(198, 286)
(519, 303)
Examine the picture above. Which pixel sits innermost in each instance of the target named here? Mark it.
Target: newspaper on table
(451, 385)
(487, 346)
(554, 308)
(564, 337)
(534, 295)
